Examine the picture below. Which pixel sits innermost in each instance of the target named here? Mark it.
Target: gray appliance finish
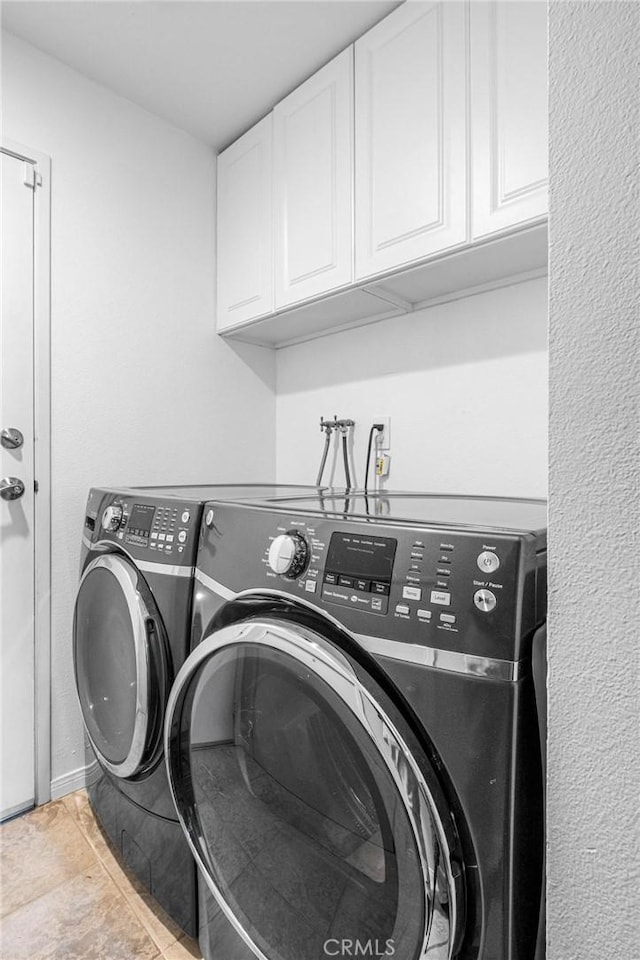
(130, 637)
(355, 744)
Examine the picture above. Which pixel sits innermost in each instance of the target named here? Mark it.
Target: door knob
(11, 438)
(11, 488)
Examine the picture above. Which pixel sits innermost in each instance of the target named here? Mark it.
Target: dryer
(354, 745)
(130, 637)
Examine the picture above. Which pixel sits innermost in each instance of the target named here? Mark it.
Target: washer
(354, 745)
(130, 637)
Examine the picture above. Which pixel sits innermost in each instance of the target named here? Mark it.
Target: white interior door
(17, 577)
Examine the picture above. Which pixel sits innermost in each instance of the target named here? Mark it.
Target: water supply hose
(345, 456)
(325, 452)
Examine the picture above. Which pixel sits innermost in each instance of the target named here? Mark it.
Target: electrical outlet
(383, 437)
(382, 465)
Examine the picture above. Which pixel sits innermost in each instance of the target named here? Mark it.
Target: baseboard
(74, 780)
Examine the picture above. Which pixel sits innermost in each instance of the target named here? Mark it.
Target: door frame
(42, 458)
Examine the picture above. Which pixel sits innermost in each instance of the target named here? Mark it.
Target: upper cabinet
(313, 185)
(409, 170)
(410, 105)
(508, 114)
(244, 241)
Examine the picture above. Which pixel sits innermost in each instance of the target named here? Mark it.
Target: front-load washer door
(121, 666)
(312, 820)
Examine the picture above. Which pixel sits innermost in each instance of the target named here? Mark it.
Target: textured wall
(465, 385)
(143, 391)
(593, 784)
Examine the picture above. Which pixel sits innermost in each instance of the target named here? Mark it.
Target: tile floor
(65, 896)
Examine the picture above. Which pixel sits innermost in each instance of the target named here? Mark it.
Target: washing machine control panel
(154, 529)
(450, 589)
(426, 581)
(447, 595)
(358, 571)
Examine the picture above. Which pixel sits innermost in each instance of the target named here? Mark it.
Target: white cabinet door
(410, 99)
(508, 114)
(313, 184)
(244, 215)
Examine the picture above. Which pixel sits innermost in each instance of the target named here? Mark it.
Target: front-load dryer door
(121, 666)
(312, 819)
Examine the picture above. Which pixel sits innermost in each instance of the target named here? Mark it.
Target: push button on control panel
(412, 593)
(485, 600)
(382, 588)
(488, 561)
(441, 597)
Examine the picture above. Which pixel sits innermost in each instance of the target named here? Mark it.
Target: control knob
(112, 517)
(288, 555)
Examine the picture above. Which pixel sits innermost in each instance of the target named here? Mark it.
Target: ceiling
(211, 67)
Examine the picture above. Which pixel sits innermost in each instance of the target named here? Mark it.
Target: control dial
(112, 517)
(288, 555)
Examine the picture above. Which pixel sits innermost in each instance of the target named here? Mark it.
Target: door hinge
(36, 486)
(31, 177)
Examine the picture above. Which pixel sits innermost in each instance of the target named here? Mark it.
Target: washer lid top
(478, 513)
(199, 493)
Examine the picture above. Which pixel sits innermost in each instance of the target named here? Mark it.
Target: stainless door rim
(139, 613)
(325, 660)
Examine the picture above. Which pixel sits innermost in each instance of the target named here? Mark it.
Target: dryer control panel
(160, 530)
(473, 592)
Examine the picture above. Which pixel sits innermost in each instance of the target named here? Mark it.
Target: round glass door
(120, 666)
(309, 816)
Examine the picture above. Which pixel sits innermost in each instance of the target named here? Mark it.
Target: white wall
(143, 390)
(464, 383)
(594, 783)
